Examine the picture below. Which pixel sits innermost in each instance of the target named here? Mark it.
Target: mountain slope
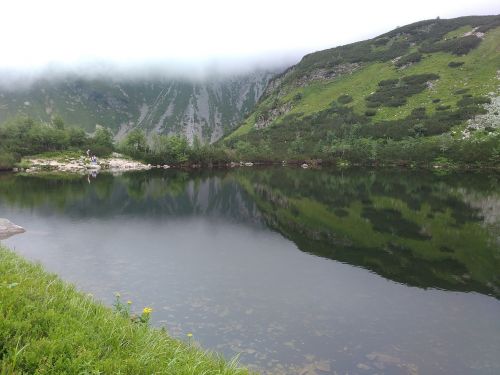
(206, 109)
(423, 80)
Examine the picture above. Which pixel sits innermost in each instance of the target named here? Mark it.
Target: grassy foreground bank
(48, 327)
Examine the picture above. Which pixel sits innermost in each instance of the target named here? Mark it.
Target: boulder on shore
(7, 229)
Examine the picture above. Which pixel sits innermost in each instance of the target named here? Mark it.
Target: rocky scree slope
(206, 109)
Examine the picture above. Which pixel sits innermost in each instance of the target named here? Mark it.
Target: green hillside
(431, 87)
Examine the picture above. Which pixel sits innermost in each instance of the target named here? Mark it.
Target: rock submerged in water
(7, 229)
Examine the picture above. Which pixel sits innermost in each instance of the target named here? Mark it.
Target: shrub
(388, 82)
(443, 107)
(380, 42)
(418, 113)
(409, 59)
(344, 99)
(419, 79)
(393, 93)
(490, 25)
(473, 101)
(455, 64)
(7, 160)
(458, 46)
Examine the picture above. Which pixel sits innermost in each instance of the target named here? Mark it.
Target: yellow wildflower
(129, 302)
(147, 310)
(117, 295)
(189, 334)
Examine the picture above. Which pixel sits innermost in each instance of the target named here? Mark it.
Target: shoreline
(119, 164)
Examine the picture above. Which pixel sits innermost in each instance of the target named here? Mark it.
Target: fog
(192, 39)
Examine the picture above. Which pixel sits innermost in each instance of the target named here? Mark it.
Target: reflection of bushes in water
(388, 220)
(435, 264)
(155, 192)
(446, 249)
(462, 212)
(294, 210)
(339, 192)
(397, 262)
(340, 212)
(35, 190)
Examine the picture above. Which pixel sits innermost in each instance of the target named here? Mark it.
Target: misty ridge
(200, 71)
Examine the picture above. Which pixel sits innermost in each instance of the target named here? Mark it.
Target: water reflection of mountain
(413, 228)
(417, 229)
(174, 194)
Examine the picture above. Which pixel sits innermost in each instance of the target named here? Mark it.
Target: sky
(195, 37)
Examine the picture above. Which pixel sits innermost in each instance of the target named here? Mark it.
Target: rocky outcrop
(265, 119)
(83, 165)
(327, 74)
(278, 85)
(490, 121)
(279, 88)
(8, 229)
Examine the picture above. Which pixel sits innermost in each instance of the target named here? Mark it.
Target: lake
(296, 271)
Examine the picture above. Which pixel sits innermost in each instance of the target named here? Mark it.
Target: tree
(136, 141)
(58, 122)
(102, 142)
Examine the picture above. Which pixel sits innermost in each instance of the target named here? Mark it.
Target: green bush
(455, 64)
(388, 82)
(393, 93)
(458, 46)
(7, 160)
(380, 41)
(298, 97)
(24, 136)
(344, 99)
(443, 107)
(472, 101)
(411, 58)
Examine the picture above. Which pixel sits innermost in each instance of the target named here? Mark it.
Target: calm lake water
(297, 271)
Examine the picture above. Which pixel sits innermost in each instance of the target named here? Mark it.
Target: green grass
(458, 32)
(48, 327)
